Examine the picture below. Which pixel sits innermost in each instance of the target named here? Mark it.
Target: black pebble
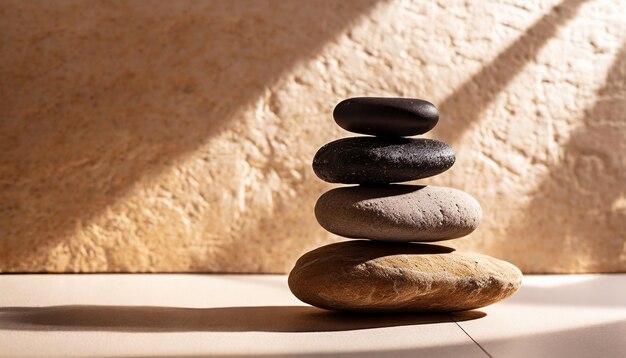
(388, 117)
(372, 160)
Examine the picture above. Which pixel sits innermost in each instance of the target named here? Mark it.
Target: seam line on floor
(470, 337)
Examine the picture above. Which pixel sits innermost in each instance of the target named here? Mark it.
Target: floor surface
(240, 315)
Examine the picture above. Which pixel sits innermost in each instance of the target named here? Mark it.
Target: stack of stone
(391, 270)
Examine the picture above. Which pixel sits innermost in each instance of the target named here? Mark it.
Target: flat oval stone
(400, 213)
(385, 277)
(372, 160)
(391, 117)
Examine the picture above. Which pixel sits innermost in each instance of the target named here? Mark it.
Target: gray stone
(385, 277)
(402, 213)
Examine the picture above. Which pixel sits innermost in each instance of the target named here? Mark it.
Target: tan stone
(162, 137)
(375, 276)
(402, 213)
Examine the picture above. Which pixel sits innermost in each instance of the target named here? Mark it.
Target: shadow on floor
(599, 340)
(602, 340)
(222, 319)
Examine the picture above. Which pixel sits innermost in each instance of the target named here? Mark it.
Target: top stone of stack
(386, 117)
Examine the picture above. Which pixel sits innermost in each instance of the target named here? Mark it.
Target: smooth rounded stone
(400, 213)
(372, 160)
(392, 117)
(384, 277)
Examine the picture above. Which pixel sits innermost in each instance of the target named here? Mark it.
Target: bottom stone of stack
(372, 276)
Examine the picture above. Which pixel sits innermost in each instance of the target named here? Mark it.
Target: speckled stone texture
(371, 160)
(178, 136)
(385, 116)
(378, 277)
(401, 213)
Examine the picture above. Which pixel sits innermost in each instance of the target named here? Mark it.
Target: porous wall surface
(178, 136)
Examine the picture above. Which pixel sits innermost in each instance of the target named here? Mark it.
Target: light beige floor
(200, 315)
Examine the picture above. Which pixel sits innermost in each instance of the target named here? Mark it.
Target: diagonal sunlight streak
(145, 101)
(466, 104)
(596, 178)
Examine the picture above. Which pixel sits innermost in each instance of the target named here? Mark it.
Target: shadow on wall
(95, 98)
(596, 197)
(566, 211)
(222, 319)
(466, 104)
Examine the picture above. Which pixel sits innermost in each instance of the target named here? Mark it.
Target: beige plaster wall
(178, 136)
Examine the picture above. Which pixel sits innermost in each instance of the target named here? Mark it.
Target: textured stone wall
(178, 136)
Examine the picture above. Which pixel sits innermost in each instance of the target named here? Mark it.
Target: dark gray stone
(372, 160)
